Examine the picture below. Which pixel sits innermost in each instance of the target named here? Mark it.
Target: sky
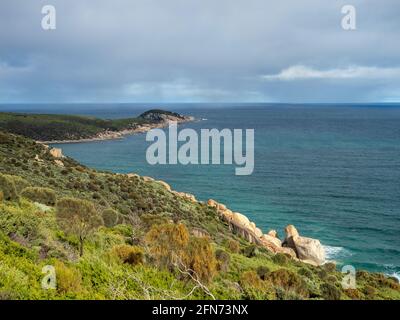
(287, 51)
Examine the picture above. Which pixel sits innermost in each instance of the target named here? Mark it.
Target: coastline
(114, 135)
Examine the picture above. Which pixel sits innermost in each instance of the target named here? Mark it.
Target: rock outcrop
(133, 175)
(59, 163)
(295, 246)
(56, 152)
(164, 184)
(186, 196)
(305, 249)
(147, 179)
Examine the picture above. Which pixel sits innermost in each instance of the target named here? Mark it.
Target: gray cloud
(192, 50)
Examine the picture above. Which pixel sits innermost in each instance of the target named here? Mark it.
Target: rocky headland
(153, 119)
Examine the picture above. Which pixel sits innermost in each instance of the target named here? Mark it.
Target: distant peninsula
(55, 128)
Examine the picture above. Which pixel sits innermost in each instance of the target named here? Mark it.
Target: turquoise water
(332, 171)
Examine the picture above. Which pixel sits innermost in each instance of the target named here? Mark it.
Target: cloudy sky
(199, 51)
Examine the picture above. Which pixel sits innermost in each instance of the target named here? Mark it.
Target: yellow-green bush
(19, 182)
(68, 279)
(46, 196)
(201, 259)
(133, 255)
(167, 243)
(255, 288)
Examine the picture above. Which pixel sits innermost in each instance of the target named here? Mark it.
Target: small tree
(78, 217)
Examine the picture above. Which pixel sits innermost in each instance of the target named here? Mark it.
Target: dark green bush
(330, 292)
(280, 259)
(110, 217)
(289, 281)
(223, 260)
(263, 272)
(8, 188)
(46, 196)
(250, 251)
(329, 267)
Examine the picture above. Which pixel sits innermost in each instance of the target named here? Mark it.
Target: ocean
(333, 171)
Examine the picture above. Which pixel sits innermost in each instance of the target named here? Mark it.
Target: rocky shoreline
(113, 135)
(304, 249)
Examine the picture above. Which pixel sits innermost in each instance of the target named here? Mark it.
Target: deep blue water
(332, 171)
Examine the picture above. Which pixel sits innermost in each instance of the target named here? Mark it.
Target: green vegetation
(78, 218)
(46, 196)
(53, 215)
(52, 127)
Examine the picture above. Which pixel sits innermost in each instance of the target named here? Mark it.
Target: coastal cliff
(144, 240)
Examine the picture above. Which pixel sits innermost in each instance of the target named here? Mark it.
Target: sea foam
(335, 253)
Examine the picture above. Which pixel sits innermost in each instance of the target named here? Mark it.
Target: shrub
(280, 258)
(322, 274)
(329, 267)
(369, 291)
(331, 279)
(289, 281)
(353, 294)
(250, 251)
(151, 219)
(306, 272)
(110, 217)
(223, 259)
(233, 246)
(251, 279)
(167, 242)
(200, 259)
(78, 217)
(20, 183)
(5, 138)
(68, 279)
(330, 292)
(46, 196)
(133, 255)
(1, 196)
(263, 272)
(255, 288)
(7, 186)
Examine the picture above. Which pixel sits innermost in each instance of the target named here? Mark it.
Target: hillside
(52, 127)
(146, 241)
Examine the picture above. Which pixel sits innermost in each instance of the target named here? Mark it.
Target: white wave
(335, 253)
(392, 271)
(395, 275)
